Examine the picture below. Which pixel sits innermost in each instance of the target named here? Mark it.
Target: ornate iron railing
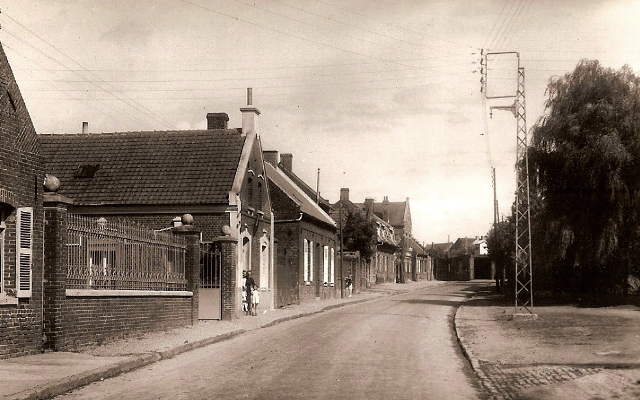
(123, 256)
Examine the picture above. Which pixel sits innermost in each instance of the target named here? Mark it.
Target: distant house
(217, 175)
(398, 215)
(421, 265)
(21, 223)
(305, 268)
(382, 266)
(467, 259)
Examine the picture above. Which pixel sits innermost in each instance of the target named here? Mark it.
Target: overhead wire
(130, 102)
(68, 91)
(362, 29)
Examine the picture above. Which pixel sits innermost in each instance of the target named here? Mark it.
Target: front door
(210, 294)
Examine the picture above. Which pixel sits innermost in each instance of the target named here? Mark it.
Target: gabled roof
(136, 168)
(444, 247)
(303, 185)
(307, 205)
(393, 212)
(463, 245)
(417, 247)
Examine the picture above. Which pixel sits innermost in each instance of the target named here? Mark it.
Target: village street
(401, 347)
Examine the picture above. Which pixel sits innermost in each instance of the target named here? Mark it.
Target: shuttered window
(325, 265)
(24, 244)
(332, 258)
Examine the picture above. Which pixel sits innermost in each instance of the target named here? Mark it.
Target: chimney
(85, 127)
(286, 159)
(344, 194)
(271, 156)
(368, 206)
(385, 209)
(217, 121)
(249, 115)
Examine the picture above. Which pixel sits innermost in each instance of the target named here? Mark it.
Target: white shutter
(333, 266)
(24, 244)
(326, 265)
(312, 261)
(305, 262)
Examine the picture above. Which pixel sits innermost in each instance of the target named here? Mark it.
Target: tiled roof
(136, 168)
(307, 205)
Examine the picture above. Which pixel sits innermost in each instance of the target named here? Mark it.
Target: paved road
(400, 347)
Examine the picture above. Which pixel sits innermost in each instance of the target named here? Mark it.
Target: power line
(139, 108)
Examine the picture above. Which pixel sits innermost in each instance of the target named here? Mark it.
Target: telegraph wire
(302, 38)
(363, 29)
(66, 91)
(148, 112)
(393, 25)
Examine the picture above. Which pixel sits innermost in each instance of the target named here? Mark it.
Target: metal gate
(210, 294)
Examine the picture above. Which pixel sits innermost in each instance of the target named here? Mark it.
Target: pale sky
(380, 95)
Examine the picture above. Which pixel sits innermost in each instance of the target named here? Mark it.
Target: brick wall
(94, 320)
(21, 178)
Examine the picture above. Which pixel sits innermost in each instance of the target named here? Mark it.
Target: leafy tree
(501, 246)
(361, 235)
(584, 169)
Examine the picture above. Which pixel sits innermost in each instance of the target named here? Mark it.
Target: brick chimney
(385, 209)
(286, 159)
(271, 156)
(249, 115)
(368, 206)
(344, 194)
(217, 121)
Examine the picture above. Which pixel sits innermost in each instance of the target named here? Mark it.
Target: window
(308, 261)
(246, 253)
(86, 171)
(24, 251)
(264, 262)
(325, 265)
(333, 266)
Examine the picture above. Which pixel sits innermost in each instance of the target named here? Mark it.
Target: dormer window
(86, 170)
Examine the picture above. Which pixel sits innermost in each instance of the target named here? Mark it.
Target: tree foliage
(359, 234)
(584, 172)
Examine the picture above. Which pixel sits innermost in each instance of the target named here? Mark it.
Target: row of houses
(111, 234)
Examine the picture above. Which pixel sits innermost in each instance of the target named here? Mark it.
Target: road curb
(475, 364)
(75, 381)
(68, 384)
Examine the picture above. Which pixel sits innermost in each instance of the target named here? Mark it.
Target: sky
(382, 96)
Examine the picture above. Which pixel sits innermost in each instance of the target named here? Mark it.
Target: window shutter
(333, 267)
(306, 260)
(24, 242)
(312, 263)
(326, 265)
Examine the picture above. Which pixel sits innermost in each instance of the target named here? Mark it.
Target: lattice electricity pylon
(523, 263)
(523, 273)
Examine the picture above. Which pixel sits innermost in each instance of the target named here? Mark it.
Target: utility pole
(523, 273)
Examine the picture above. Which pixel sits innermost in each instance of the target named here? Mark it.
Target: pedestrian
(349, 284)
(249, 284)
(255, 299)
(245, 293)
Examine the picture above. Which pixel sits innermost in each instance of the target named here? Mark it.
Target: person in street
(349, 285)
(255, 299)
(249, 285)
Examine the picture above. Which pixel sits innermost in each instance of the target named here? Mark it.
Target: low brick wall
(93, 320)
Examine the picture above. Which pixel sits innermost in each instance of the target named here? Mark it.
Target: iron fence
(123, 256)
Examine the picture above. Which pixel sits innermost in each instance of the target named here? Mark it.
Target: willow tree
(585, 166)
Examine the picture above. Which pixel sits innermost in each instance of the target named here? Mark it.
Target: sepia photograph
(319, 199)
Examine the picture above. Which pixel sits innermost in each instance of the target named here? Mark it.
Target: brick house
(306, 240)
(398, 215)
(383, 264)
(21, 223)
(215, 175)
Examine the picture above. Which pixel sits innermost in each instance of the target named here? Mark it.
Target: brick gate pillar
(192, 264)
(228, 285)
(55, 268)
